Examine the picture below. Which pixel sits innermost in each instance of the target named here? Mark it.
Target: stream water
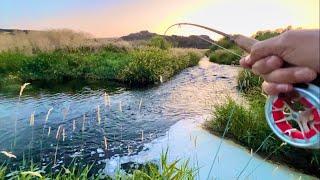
(88, 126)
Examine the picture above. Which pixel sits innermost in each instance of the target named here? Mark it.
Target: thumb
(263, 49)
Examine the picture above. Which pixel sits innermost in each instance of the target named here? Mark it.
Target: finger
(275, 89)
(244, 64)
(266, 65)
(291, 75)
(263, 49)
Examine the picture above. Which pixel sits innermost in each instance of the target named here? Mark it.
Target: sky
(115, 18)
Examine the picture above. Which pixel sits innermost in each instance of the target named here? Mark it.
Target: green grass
(149, 171)
(249, 127)
(222, 56)
(137, 67)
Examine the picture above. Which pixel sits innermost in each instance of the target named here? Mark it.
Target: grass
(133, 66)
(148, 171)
(222, 56)
(249, 127)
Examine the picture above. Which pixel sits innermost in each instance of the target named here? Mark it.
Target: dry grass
(51, 40)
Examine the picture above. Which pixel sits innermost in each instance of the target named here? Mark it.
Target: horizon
(118, 18)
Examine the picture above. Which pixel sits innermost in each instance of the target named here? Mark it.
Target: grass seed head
(22, 88)
(8, 154)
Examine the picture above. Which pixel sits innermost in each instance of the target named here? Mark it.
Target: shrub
(223, 56)
(148, 65)
(247, 80)
(160, 42)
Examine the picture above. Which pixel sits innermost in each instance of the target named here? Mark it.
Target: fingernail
(283, 87)
(304, 74)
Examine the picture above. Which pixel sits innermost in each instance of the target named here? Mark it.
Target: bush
(223, 56)
(160, 42)
(247, 80)
(148, 65)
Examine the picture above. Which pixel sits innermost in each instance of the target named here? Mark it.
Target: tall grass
(42, 40)
(149, 171)
(222, 56)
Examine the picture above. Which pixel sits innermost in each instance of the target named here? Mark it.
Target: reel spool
(295, 117)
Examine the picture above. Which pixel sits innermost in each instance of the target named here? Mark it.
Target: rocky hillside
(178, 41)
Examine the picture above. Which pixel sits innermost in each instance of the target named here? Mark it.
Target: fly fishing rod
(294, 117)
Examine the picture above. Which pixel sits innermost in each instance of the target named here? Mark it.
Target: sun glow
(247, 16)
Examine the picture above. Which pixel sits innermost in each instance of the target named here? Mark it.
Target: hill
(192, 41)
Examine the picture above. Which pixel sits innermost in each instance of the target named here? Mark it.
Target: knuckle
(276, 61)
(255, 50)
(286, 36)
(256, 67)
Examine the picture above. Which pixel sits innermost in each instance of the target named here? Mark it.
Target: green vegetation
(148, 171)
(222, 56)
(134, 67)
(249, 127)
(160, 42)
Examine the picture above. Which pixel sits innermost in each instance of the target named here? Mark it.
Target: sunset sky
(113, 18)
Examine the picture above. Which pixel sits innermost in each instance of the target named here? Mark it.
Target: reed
(73, 125)
(140, 104)
(48, 114)
(49, 131)
(22, 89)
(83, 123)
(142, 135)
(120, 106)
(98, 114)
(106, 100)
(31, 121)
(57, 145)
(9, 154)
(105, 143)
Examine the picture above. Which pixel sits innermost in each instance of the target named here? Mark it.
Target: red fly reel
(295, 117)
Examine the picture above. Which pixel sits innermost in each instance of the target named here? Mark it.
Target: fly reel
(295, 117)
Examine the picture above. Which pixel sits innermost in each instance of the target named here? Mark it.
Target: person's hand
(299, 48)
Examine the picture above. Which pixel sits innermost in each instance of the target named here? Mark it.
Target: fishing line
(265, 159)
(219, 46)
(247, 164)
(221, 141)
